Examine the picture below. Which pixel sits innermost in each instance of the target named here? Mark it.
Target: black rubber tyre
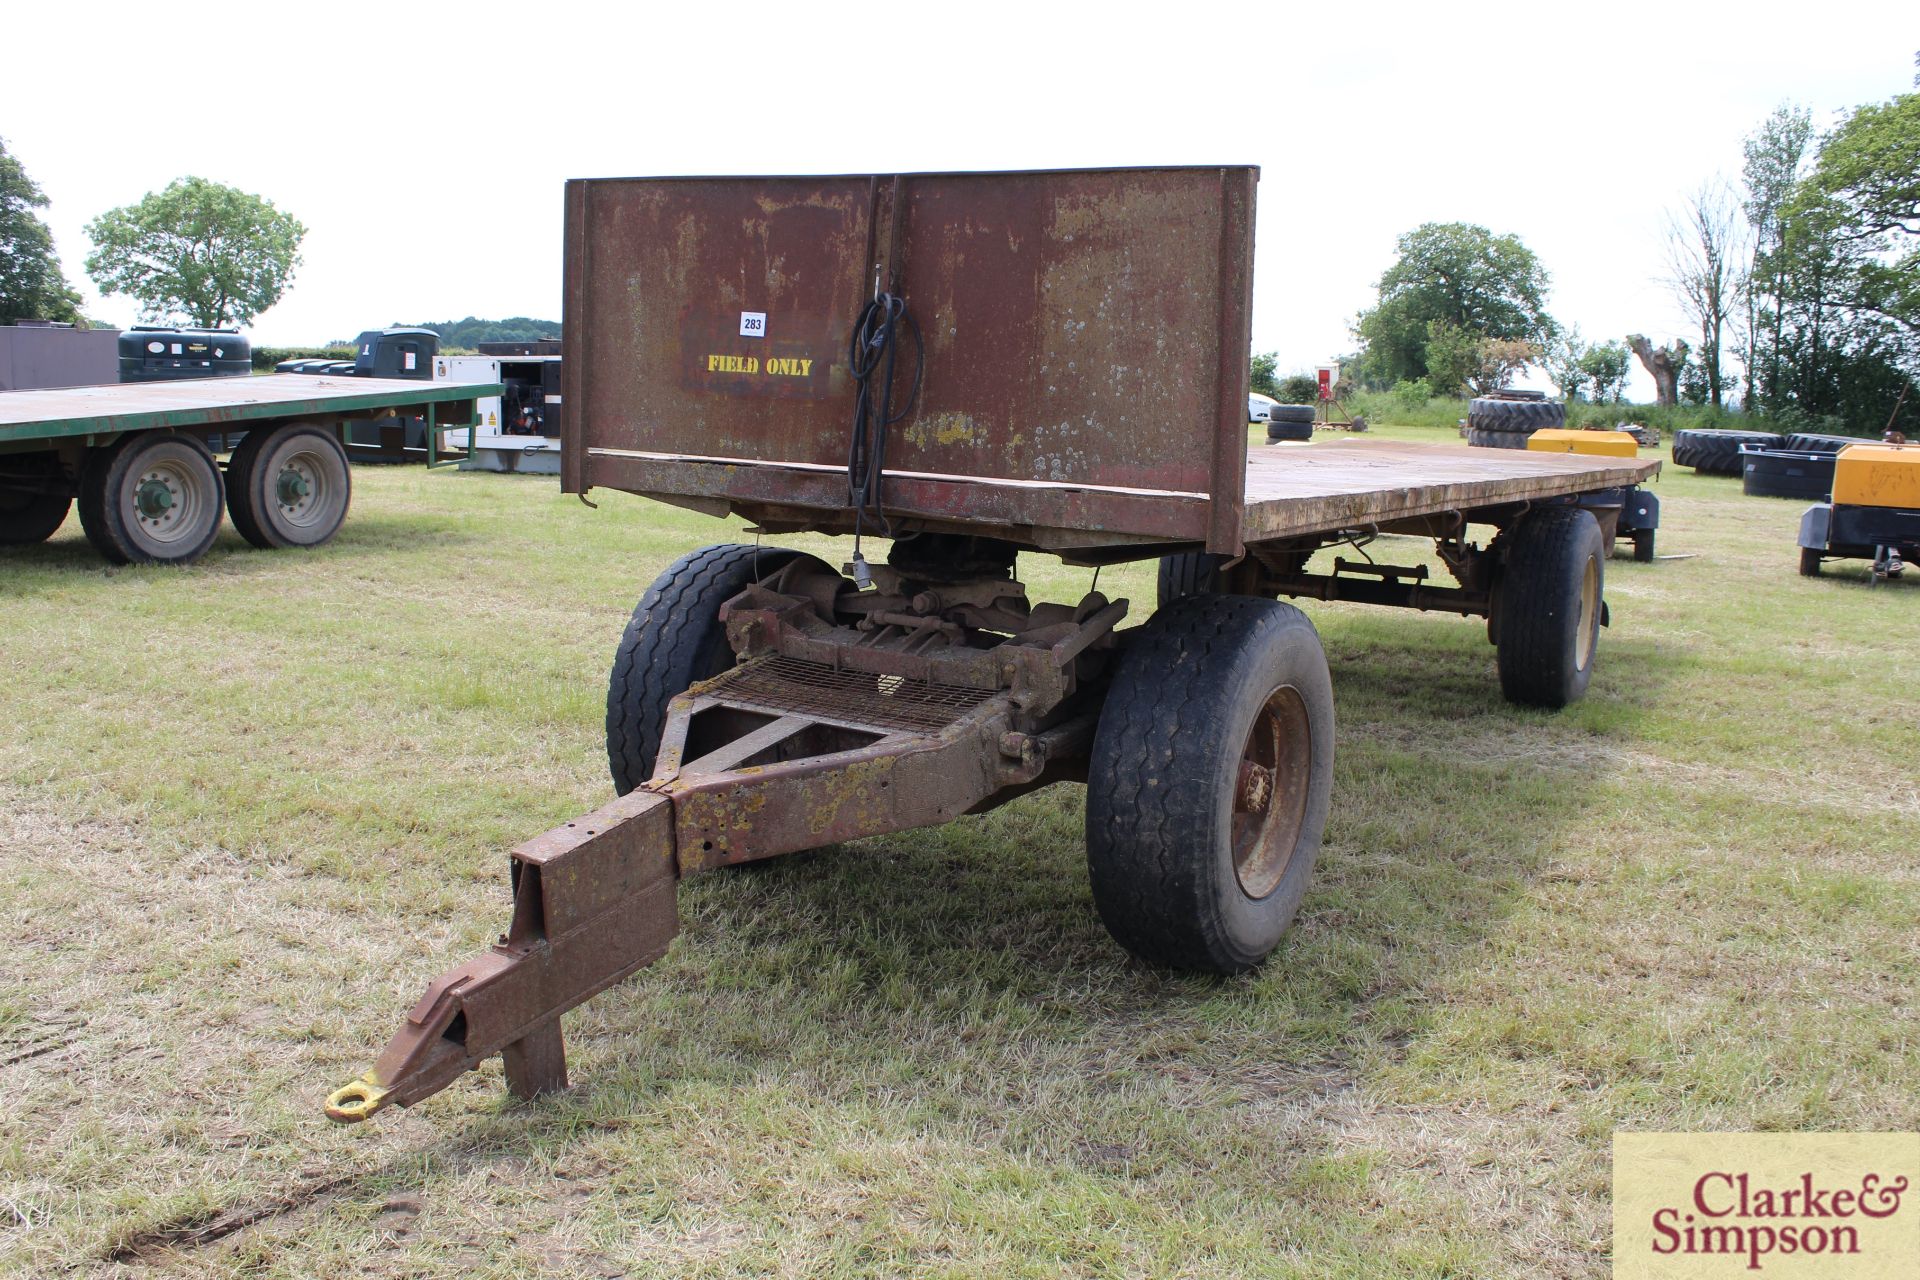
(1197, 860)
(674, 638)
(1290, 413)
(1516, 417)
(120, 509)
(1642, 545)
(1496, 439)
(1548, 606)
(27, 518)
(1809, 562)
(289, 487)
(1779, 473)
(1188, 573)
(1287, 429)
(1811, 442)
(1716, 452)
(1515, 393)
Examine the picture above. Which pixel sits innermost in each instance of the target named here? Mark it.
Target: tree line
(197, 252)
(1800, 282)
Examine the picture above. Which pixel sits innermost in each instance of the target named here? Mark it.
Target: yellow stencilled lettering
(776, 367)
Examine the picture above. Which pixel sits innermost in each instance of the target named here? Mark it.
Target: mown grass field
(249, 808)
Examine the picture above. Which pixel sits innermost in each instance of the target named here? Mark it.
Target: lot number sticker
(753, 324)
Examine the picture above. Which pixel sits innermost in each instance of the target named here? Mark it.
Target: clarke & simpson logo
(1786, 1204)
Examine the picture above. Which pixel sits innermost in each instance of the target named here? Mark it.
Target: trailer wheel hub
(1256, 788)
(154, 498)
(291, 486)
(1270, 792)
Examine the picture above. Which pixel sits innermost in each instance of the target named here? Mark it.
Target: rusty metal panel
(1082, 328)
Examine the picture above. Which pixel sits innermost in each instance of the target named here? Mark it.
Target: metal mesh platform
(791, 686)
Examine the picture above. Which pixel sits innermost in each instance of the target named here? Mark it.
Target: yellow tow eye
(352, 1103)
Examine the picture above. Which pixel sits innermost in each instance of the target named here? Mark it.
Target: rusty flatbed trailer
(138, 458)
(974, 366)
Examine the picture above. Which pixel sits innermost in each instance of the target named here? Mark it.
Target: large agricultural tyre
(151, 498)
(1209, 781)
(289, 487)
(1499, 422)
(1814, 442)
(1713, 451)
(1547, 607)
(674, 639)
(33, 501)
(1495, 439)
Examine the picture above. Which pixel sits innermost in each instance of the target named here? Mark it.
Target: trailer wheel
(30, 515)
(1549, 606)
(289, 487)
(153, 498)
(1209, 781)
(1809, 562)
(674, 639)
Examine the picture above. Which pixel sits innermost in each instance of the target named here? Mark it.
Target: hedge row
(267, 357)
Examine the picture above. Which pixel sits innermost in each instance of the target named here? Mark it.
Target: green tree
(1606, 365)
(1775, 154)
(1460, 361)
(32, 286)
(1562, 363)
(1866, 181)
(199, 251)
(1459, 275)
(1261, 377)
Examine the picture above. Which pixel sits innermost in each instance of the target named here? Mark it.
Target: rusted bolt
(1013, 745)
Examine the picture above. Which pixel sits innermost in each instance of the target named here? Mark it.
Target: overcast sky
(425, 147)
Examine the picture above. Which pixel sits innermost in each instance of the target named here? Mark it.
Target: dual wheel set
(1210, 771)
(157, 497)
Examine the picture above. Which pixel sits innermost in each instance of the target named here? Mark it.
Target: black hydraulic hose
(872, 350)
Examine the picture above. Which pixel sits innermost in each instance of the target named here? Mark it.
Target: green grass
(247, 809)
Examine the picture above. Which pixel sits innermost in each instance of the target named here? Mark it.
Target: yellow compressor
(1874, 515)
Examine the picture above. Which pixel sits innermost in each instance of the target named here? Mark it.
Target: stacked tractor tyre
(1289, 422)
(1505, 420)
(1715, 452)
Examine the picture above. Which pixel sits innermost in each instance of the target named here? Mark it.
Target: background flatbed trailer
(140, 458)
(972, 367)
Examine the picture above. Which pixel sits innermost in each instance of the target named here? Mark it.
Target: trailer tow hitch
(593, 901)
(781, 753)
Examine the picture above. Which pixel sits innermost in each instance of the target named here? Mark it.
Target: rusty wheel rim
(1270, 792)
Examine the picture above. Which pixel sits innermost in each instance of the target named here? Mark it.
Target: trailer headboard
(1086, 340)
